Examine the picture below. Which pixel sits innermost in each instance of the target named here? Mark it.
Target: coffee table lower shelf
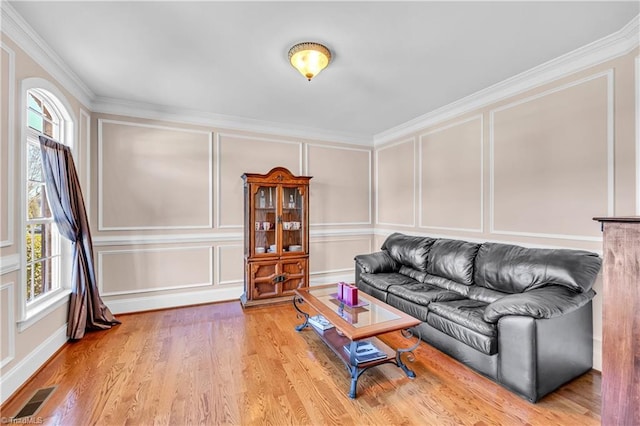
(337, 341)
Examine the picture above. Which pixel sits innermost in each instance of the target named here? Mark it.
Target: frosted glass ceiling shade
(309, 58)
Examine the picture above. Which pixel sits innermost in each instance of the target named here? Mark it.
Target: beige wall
(396, 184)
(531, 169)
(450, 176)
(338, 191)
(167, 208)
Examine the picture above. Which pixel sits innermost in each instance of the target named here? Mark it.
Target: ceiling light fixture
(309, 58)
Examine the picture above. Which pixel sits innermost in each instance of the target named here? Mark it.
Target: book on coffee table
(320, 322)
(365, 352)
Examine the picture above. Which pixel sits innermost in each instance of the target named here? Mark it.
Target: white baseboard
(22, 371)
(175, 300)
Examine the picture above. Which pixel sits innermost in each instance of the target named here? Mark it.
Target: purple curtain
(86, 310)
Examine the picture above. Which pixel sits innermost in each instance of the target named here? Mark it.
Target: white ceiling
(392, 61)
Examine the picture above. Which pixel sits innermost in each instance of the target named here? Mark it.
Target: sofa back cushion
(452, 259)
(408, 250)
(515, 269)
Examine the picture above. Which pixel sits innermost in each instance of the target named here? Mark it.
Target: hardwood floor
(220, 365)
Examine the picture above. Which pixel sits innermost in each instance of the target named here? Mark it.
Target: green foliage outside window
(34, 245)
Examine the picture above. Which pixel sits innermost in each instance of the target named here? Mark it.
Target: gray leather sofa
(520, 316)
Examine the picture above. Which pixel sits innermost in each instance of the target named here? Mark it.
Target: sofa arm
(375, 263)
(544, 302)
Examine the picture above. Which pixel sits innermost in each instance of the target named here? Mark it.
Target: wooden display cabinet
(276, 236)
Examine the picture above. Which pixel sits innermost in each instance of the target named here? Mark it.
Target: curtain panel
(86, 308)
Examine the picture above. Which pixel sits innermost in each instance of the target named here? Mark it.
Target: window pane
(48, 129)
(34, 103)
(34, 120)
(46, 113)
(47, 240)
(29, 243)
(38, 204)
(29, 289)
(46, 275)
(38, 275)
(37, 242)
(34, 163)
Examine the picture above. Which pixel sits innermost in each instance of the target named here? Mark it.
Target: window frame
(33, 311)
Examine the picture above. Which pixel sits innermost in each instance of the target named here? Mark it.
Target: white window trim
(36, 311)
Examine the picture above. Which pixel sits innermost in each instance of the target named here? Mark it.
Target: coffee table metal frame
(345, 333)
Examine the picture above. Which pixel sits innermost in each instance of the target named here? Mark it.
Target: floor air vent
(35, 402)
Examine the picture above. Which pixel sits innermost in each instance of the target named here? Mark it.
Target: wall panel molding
(369, 152)
(610, 156)
(103, 253)
(480, 178)
(101, 226)
(219, 263)
(218, 183)
(85, 143)
(141, 239)
(377, 182)
(9, 322)
(9, 263)
(8, 208)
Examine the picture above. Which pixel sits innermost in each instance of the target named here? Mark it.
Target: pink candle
(351, 297)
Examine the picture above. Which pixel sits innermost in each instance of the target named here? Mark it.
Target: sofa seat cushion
(468, 313)
(384, 281)
(478, 341)
(414, 309)
(423, 294)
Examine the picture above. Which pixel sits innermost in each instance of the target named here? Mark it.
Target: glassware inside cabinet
(292, 219)
(265, 220)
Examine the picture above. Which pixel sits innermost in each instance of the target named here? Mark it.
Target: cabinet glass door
(265, 223)
(293, 220)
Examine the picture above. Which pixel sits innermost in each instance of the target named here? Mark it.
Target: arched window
(42, 241)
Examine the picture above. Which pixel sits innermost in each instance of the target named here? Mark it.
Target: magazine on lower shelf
(320, 322)
(365, 352)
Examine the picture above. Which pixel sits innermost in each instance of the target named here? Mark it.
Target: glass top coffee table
(355, 327)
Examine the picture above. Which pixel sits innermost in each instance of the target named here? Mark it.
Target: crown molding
(609, 47)
(107, 105)
(17, 29)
